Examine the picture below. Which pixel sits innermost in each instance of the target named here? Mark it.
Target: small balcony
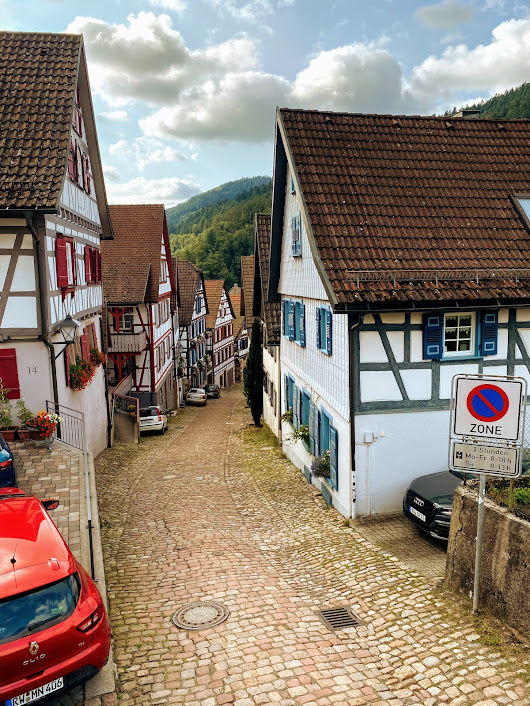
(128, 342)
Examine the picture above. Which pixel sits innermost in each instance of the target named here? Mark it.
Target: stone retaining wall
(505, 571)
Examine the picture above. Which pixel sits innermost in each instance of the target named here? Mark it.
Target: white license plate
(35, 694)
(417, 514)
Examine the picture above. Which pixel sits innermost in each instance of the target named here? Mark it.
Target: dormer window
(522, 204)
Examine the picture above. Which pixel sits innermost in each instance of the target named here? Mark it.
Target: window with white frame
(461, 334)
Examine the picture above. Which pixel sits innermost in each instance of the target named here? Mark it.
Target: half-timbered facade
(220, 327)
(399, 253)
(192, 324)
(138, 283)
(270, 316)
(53, 217)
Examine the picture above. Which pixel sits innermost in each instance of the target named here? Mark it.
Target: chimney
(467, 113)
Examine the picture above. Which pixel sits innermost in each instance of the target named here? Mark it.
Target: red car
(54, 630)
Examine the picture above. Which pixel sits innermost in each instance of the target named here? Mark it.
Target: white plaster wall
(413, 444)
(272, 368)
(20, 312)
(34, 376)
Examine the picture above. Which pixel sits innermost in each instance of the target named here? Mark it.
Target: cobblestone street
(213, 511)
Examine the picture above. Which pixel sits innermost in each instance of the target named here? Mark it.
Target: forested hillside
(514, 103)
(215, 237)
(231, 190)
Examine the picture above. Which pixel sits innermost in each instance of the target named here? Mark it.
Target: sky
(185, 91)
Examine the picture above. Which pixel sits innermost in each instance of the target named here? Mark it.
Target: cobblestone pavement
(214, 511)
(401, 538)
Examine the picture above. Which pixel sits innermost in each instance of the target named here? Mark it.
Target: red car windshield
(30, 612)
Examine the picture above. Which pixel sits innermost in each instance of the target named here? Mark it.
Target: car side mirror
(50, 504)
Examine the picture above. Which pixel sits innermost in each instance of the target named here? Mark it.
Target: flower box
(9, 433)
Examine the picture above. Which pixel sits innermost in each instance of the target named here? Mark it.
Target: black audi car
(428, 501)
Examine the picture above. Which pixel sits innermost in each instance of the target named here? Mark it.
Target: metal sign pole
(480, 529)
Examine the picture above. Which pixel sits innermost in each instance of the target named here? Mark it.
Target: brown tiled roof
(271, 310)
(37, 90)
(188, 278)
(214, 289)
(413, 208)
(134, 253)
(247, 287)
(235, 299)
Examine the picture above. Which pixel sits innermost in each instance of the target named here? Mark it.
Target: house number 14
(32, 370)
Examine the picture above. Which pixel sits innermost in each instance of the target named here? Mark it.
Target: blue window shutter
(433, 335)
(333, 457)
(296, 407)
(328, 332)
(296, 235)
(299, 223)
(286, 391)
(302, 324)
(291, 321)
(285, 319)
(319, 342)
(317, 436)
(488, 343)
(312, 428)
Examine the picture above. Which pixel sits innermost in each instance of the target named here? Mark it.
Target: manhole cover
(339, 618)
(195, 616)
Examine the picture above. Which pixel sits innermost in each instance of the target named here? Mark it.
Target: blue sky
(185, 90)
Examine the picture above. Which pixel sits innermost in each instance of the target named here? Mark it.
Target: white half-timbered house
(193, 310)
(270, 316)
(220, 327)
(53, 217)
(399, 254)
(138, 283)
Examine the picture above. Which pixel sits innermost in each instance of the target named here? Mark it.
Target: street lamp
(69, 329)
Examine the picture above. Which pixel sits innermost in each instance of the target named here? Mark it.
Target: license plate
(417, 514)
(35, 694)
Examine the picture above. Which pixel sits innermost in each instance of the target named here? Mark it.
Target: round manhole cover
(195, 616)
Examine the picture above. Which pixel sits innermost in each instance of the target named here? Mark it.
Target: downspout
(110, 415)
(28, 215)
(354, 322)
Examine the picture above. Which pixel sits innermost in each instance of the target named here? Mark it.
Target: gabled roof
(189, 278)
(405, 211)
(214, 290)
(131, 262)
(247, 287)
(235, 300)
(39, 77)
(270, 311)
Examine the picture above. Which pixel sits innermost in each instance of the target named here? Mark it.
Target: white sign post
(486, 436)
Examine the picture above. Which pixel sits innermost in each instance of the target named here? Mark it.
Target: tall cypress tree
(253, 387)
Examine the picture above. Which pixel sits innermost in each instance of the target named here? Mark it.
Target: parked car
(196, 395)
(8, 473)
(428, 501)
(212, 390)
(152, 419)
(54, 630)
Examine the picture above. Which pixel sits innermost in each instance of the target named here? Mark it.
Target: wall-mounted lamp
(69, 329)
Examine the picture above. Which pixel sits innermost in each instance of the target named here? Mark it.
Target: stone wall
(126, 428)
(505, 571)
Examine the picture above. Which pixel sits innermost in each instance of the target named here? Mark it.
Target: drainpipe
(29, 216)
(354, 322)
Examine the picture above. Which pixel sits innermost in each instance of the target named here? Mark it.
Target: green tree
(254, 374)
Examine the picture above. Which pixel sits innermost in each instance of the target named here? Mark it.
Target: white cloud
(145, 151)
(252, 11)
(239, 107)
(111, 173)
(115, 115)
(444, 14)
(170, 191)
(485, 68)
(147, 59)
(173, 5)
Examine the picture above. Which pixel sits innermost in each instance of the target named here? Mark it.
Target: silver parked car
(152, 419)
(196, 395)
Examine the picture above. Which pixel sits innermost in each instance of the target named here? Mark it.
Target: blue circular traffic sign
(487, 403)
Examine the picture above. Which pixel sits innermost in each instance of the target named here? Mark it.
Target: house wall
(271, 407)
(402, 401)
(324, 376)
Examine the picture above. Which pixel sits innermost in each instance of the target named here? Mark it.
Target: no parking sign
(487, 407)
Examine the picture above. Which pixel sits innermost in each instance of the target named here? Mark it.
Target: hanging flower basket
(81, 373)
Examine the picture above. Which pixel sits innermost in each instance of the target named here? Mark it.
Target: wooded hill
(216, 235)
(514, 103)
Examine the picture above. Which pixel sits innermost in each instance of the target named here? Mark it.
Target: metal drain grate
(196, 616)
(339, 618)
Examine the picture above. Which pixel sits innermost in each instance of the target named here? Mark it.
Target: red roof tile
(189, 277)
(247, 287)
(271, 311)
(405, 199)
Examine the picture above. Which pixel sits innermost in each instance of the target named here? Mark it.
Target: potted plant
(43, 425)
(25, 415)
(6, 417)
(320, 465)
(81, 373)
(287, 416)
(300, 434)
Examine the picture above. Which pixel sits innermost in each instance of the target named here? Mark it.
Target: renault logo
(34, 648)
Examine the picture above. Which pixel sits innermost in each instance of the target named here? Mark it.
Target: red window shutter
(80, 170)
(88, 264)
(60, 262)
(98, 262)
(85, 347)
(79, 123)
(94, 335)
(86, 173)
(9, 373)
(73, 251)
